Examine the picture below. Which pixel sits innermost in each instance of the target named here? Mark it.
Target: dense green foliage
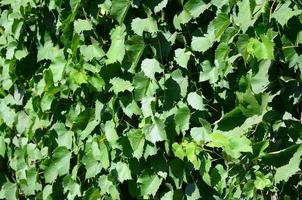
(150, 99)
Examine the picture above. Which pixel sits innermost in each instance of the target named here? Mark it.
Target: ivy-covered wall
(150, 99)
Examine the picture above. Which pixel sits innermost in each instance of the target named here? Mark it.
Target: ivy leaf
(7, 114)
(122, 171)
(192, 192)
(285, 172)
(139, 25)
(260, 80)
(64, 136)
(192, 152)
(199, 134)
(182, 57)
(71, 187)
(135, 47)
(59, 165)
(108, 187)
(120, 85)
(23, 122)
(261, 181)
(117, 50)
(182, 118)
(159, 7)
(167, 196)
(195, 101)
(156, 132)
(219, 24)
(97, 82)
(178, 150)
(57, 68)
(137, 141)
(46, 101)
(283, 13)
(183, 18)
(78, 77)
(91, 51)
(202, 44)
(110, 132)
(244, 18)
(196, 7)
(9, 189)
(149, 184)
(232, 144)
(119, 9)
(81, 25)
(261, 50)
(150, 67)
(2, 146)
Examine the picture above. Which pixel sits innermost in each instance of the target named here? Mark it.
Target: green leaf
(220, 24)
(119, 9)
(192, 152)
(2, 147)
(199, 134)
(167, 196)
(19, 54)
(122, 171)
(159, 7)
(248, 104)
(156, 132)
(81, 25)
(64, 136)
(139, 25)
(59, 164)
(137, 141)
(10, 190)
(192, 192)
(195, 7)
(178, 150)
(47, 191)
(183, 18)
(237, 145)
(232, 144)
(261, 50)
(97, 82)
(117, 50)
(120, 85)
(195, 101)
(78, 77)
(49, 52)
(107, 186)
(261, 181)
(260, 80)
(72, 187)
(182, 119)
(283, 13)
(57, 68)
(104, 155)
(110, 132)
(182, 57)
(202, 44)
(149, 185)
(244, 18)
(46, 101)
(7, 114)
(285, 172)
(92, 51)
(150, 67)
(23, 122)
(135, 47)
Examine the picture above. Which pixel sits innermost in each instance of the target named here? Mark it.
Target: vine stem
(271, 11)
(291, 46)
